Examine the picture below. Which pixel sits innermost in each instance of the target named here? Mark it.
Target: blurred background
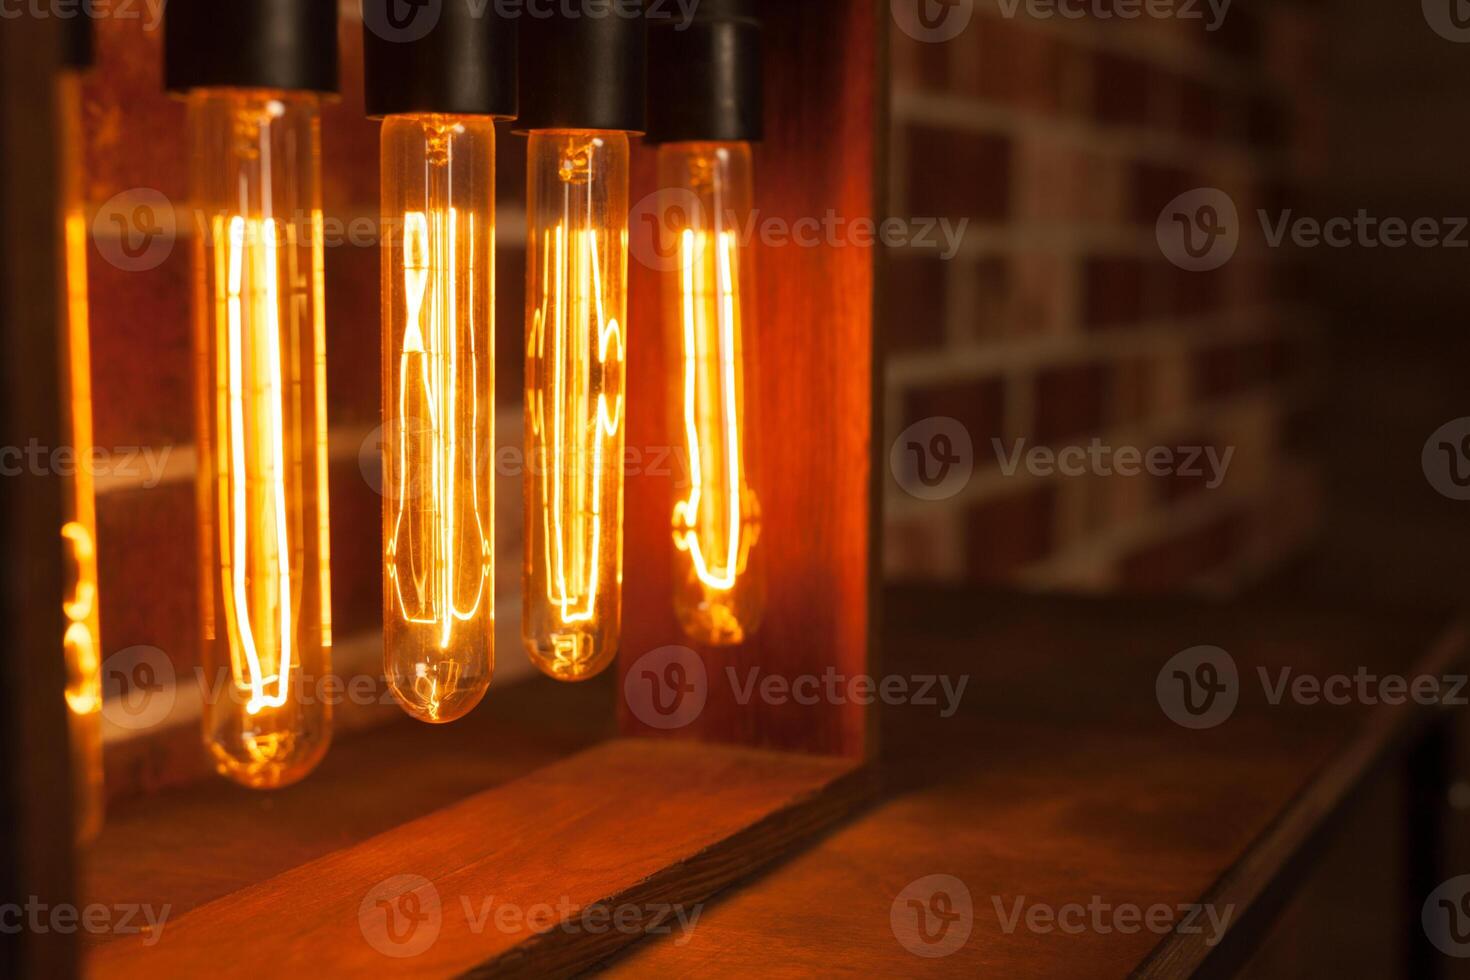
(1065, 318)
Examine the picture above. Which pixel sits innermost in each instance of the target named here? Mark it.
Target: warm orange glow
(269, 661)
(726, 429)
(438, 409)
(259, 343)
(81, 642)
(719, 593)
(574, 400)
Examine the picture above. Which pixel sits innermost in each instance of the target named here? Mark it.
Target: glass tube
(81, 642)
(262, 460)
(719, 582)
(438, 200)
(576, 298)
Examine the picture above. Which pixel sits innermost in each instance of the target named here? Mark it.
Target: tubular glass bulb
(438, 411)
(576, 301)
(262, 469)
(81, 641)
(719, 585)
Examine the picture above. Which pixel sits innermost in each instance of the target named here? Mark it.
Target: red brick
(1176, 486)
(142, 368)
(1134, 390)
(1015, 64)
(996, 308)
(1201, 113)
(914, 300)
(955, 174)
(1152, 186)
(1121, 90)
(148, 571)
(977, 405)
(1112, 290)
(1069, 403)
(1184, 293)
(1006, 533)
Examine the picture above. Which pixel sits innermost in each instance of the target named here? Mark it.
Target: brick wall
(1061, 320)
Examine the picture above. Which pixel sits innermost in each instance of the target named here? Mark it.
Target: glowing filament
(429, 540)
(572, 505)
(255, 465)
(687, 512)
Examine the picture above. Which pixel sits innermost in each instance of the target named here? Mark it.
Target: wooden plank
(814, 400)
(1060, 781)
(35, 800)
(629, 826)
(1260, 883)
(186, 847)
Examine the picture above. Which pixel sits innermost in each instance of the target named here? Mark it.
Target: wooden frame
(683, 819)
(36, 858)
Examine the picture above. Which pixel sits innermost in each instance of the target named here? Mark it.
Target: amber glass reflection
(262, 434)
(438, 199)
(719, 585)
(81, 642)
(576, 301)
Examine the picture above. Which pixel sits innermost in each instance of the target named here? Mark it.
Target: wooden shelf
(632, 825)
(1060, 779)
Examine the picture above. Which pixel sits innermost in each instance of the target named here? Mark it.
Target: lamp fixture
(582, 94)
(438, 97)
(253, 73)
(81, 642)
(704, 113)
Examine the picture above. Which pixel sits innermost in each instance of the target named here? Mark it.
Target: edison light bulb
(575, 352)
(719, 586)
(81, 641)
(438, 411)
(262, 431)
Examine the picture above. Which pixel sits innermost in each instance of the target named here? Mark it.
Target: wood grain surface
(1060, 781)
(542, 876)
